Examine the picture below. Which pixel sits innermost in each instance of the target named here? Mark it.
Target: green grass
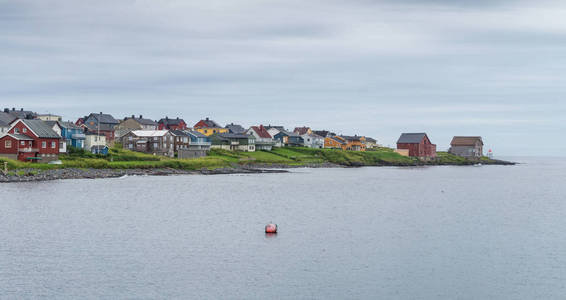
(119, 158)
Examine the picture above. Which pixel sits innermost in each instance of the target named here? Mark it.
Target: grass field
(119, 158)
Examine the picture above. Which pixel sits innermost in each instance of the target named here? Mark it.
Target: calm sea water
(490, 232)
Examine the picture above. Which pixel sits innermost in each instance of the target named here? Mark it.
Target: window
(130, 138)
(23, 143)
(8, 144)
(43, 144)
(24, 130)
(131, 146)
(53, 145)
(16, 130)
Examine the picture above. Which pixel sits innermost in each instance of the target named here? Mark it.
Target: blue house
(289, 139)
(198, 141)
(73, 134)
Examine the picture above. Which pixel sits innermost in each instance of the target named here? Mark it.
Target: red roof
(261, 131)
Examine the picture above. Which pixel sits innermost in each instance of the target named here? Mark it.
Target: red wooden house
(418, 144)
(30, 140)
(171, 124)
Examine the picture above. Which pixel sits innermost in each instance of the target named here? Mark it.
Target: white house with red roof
(263, 140)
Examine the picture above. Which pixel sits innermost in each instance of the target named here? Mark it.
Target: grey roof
(372, 140)
(289, 133)
(179, 133)
(6, 119)
(274, 126)
(143, 121)
(104, 118)
(411, 138)
(323, 133)
(235, 135)
(22, 114)
(41, 129)
(196, 134)
(52, 123)
(166, 121)
(351, 138)
(235, 128)
(69, 125)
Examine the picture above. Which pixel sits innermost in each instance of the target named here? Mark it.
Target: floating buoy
(271, 228)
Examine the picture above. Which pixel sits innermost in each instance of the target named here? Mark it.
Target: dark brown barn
(418, 144)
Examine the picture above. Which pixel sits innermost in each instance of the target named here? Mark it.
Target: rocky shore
(28, 175)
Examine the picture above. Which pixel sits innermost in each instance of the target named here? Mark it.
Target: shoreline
(35, 175)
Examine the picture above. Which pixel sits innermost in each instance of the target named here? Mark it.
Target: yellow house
(208, 127)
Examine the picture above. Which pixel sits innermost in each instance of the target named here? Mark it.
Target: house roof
(150, 133)
(41, 129)
(235, 128)
(301, 130)
(69, 125)
(261, 131)
(21, 114)
(166, 121)
(323, 133)
(338, 139)
(351, 138)
(371, 140)
(142, 120)
(411, 138)
(104, 118)
(6, 119)
(52, 123)
(276, 127)
(235, 135)
(179, 133)
(210, 123)
(466, 140)
(195, 134)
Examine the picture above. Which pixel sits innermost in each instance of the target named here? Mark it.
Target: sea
(436, 232)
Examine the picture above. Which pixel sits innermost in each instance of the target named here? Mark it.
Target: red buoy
(271, 228)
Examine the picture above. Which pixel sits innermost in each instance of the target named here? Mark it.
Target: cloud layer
(378, 68)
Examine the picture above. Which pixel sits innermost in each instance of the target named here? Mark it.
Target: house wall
(422, 149)
(467, 151)
(210, 131)
(129, 124)
(331, 143)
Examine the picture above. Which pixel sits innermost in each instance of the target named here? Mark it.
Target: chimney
(177, 118)
(133, 117)
(6, 110)
(166, 118)
(13, 109)
(141, 117)
(21, 109)
(207, 118)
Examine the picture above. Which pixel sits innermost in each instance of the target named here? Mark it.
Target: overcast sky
(377, 68)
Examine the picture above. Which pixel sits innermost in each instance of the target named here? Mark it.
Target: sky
(493, 68)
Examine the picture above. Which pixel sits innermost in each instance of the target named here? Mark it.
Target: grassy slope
(124, 159)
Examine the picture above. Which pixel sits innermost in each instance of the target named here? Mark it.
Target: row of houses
(28, 136)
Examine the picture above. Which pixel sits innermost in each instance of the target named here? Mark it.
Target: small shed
(418, 144)
(467, 146)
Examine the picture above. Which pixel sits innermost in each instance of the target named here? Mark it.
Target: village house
(467, 146)
(417, 144)
(302, 130)
(72, 134)
(354, 143)
(235, 128)
(233, 142)
(57, 128)
(134, 123)
(157, 142)
(30, 140)
(263, 140)
(313, 141)
(95, 143)
(273, 131)
(289, 139)
(180, 140)
(171, 124)
(370, 143)
(99, 124)
(209, 127)
(199, 145)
